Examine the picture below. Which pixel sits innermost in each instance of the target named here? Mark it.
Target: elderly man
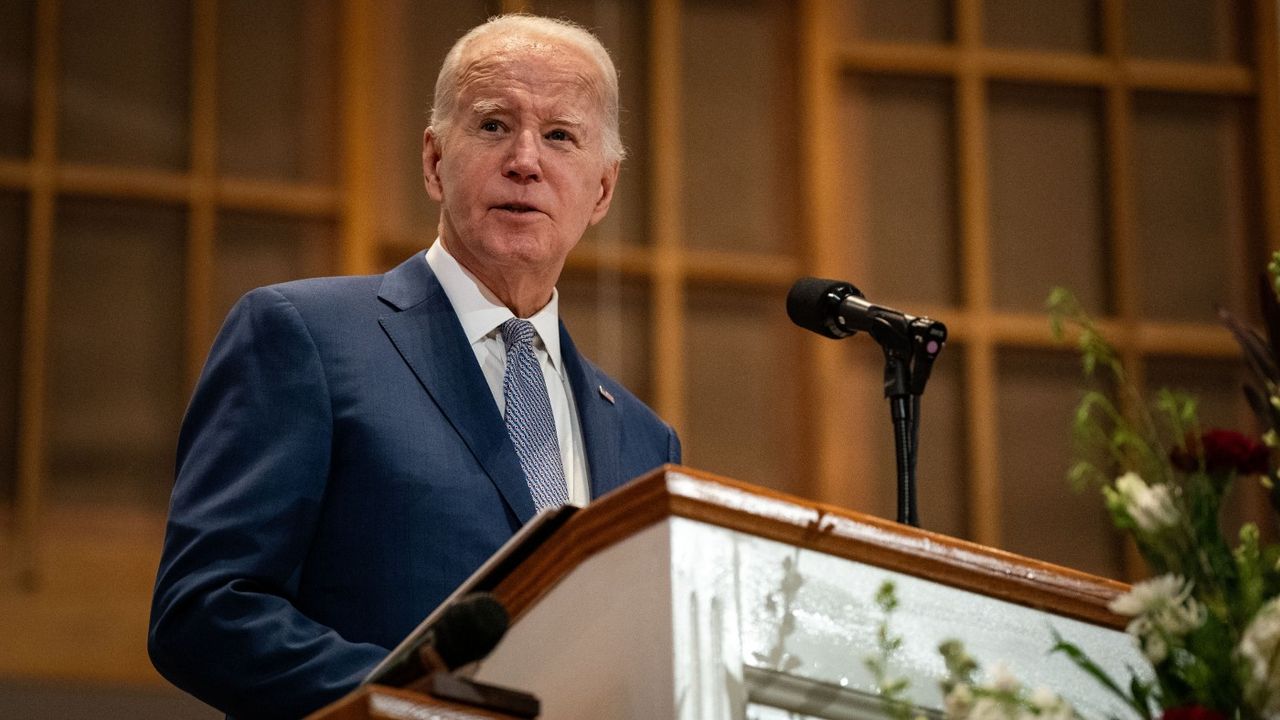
(357, 446)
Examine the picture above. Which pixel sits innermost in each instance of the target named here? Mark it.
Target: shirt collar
(479, 310)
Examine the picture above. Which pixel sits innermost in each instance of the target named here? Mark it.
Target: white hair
(517, 24)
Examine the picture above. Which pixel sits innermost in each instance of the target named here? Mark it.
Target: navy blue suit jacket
(341, 469)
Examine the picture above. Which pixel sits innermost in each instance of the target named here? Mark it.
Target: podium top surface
(675, 491)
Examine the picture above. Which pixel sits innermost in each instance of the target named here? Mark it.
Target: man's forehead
(555, 85)
(523, 59)
(521, 42)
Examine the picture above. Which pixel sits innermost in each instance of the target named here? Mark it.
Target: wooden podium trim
(675, 491)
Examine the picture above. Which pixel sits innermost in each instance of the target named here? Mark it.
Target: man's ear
(608, 181)
(431, 165)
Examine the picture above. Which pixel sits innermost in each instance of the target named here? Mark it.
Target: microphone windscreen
(469, 630)
(812, 304)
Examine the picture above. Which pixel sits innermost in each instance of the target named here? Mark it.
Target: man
(356, 447)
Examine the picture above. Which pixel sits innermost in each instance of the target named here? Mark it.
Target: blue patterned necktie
(529, 420)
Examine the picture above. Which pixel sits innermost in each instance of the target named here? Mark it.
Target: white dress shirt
(481, 315)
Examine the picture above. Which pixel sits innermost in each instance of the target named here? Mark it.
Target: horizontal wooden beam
(1047, 67)
(305, 200)
(16, 175)
(275, 197)
(1031, 330)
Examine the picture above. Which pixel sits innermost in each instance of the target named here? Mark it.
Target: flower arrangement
(1208, 621)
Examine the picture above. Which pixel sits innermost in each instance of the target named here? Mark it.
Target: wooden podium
(686, 595)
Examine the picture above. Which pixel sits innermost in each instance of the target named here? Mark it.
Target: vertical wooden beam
(202, 214)
(37, 283)
(666, 143)
(985, 502)
(1125, 278)
(1266, 24)
(1267, 38)
(1126, 283)
(359, 228)
(820, 73)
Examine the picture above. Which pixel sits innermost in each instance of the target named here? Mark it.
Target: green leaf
(1085, 663)
(1083, 474)
(887, 597)
(1251, 586)
(1139, 691)
(1180, 409)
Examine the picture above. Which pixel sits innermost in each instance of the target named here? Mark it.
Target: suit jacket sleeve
(253, 462)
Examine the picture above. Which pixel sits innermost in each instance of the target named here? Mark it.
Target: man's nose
(522, 163)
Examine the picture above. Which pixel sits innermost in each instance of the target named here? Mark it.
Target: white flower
(1003, 679)
(988, 709)
(1151, 595)
(1162, 610)
(1260, 650)
(1003, 697)
(958, 701)
(1049, 706)
(1155, 647)
(1043, 698)
(1150, 506)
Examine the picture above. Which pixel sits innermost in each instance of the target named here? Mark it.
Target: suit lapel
(597, 416)
(426, 332)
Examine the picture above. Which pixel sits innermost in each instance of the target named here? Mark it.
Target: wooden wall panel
(12, 232)
(1048, 208)
(277, 101)
(17, 19)
(125, 82)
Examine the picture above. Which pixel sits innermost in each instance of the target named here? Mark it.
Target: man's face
(521, 173)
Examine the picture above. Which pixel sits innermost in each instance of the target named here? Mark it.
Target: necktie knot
(517, 332)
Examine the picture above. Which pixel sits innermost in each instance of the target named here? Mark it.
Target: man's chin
(525, 250)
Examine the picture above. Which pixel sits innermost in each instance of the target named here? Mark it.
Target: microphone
(839, 310)
(467, 631)
(815, 304)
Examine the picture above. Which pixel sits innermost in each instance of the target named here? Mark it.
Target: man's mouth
(517, 208)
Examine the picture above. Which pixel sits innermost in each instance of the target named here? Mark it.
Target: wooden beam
(277, 198)
(984, 497)
(666, 145)
(307, 200)
(359, 81)
(15, 175)
(32, 391)
(832, 472)
(162, 186)
(1126, 259)
(1047, 68)
(744, 269)
(1267, 38)
(202, 214)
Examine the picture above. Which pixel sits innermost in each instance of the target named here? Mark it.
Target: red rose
(1192, 712)
(1223, 451)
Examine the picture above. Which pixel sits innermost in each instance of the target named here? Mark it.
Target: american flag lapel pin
(606, 395)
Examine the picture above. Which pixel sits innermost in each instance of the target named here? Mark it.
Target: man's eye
(491, 126)
(558, 135)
